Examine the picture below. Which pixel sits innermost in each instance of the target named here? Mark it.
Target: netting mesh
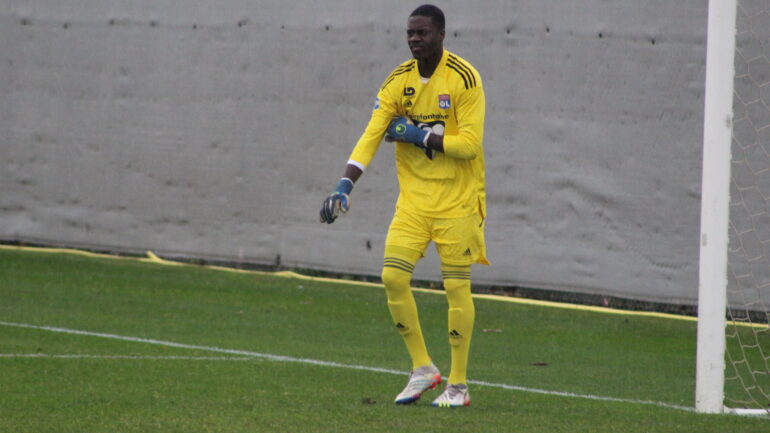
(747, 376)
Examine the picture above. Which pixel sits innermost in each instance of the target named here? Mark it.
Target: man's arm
(466, 144)
(352, 172)
(362, 155)
(435, 142)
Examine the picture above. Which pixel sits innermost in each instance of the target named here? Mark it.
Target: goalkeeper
(432, 107)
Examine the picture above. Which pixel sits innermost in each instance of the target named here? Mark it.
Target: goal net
(734, 348)
(747, 375)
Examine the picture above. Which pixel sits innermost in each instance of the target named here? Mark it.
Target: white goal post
(715, 206)
(713, 302)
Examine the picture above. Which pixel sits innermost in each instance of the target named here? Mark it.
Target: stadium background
(213, 130)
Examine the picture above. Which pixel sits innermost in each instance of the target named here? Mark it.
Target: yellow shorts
(459, 241)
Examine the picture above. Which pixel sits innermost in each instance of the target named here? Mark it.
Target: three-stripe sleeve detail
(469, 78)
(398, 71)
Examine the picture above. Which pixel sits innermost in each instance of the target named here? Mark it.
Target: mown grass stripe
(283, 358)
(152, 258)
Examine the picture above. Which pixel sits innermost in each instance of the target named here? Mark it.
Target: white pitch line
(121, 357)
(282, 358)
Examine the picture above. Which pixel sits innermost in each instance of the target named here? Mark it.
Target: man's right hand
(338, 201)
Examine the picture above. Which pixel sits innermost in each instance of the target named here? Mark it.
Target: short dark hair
(432, 12)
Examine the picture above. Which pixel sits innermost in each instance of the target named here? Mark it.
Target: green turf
(625, 357)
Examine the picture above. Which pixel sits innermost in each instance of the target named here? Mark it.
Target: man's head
(425, 32)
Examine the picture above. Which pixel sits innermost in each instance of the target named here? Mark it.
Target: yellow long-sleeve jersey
(451, 103)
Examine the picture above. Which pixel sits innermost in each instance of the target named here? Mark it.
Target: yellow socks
(397, 275)
(457, 283)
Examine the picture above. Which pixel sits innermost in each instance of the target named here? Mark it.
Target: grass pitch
(545, 369)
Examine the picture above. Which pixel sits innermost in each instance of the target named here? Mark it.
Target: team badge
(376, 103)
(444, 102)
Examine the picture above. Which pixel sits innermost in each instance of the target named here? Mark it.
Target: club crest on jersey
(444, 102)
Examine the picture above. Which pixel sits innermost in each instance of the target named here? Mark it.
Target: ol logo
(408, 91)
(444, 102)
(400, 129)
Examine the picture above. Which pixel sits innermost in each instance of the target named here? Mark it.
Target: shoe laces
(452, 391)
(419, 377)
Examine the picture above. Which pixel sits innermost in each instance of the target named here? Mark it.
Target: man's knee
(398, 267)
(395, 279)
(457, 283)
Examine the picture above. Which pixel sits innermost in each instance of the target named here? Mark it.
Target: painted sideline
(282, 358)
(125, 357)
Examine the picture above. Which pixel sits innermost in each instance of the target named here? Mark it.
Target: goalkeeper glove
(338, 201)
(401, 130)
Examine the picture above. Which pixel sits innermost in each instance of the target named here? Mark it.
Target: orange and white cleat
(420, 380)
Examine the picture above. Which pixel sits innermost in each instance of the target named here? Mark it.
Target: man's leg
(460, 242)
(397, 275)
(457, 284)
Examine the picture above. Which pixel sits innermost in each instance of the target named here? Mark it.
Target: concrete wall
(215, 129)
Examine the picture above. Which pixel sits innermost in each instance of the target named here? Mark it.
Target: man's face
(424, 39)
